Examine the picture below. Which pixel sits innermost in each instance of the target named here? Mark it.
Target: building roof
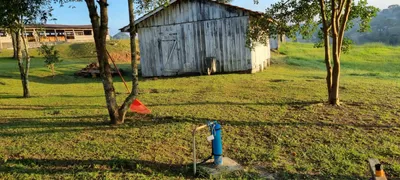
(60, 26)
(155, 11)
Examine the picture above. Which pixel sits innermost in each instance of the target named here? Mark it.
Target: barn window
(79, 33)
(87, 32)
(29, 34)
(60, 33)
(70, 34)
(50, 33)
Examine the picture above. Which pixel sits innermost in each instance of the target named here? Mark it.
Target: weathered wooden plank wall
(178, 39)
(259, 56)
(182, 48)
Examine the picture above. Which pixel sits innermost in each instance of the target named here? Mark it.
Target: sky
(118, 11)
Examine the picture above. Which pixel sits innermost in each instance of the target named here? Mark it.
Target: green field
(274, 122)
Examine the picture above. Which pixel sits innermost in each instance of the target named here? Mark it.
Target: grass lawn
(274, 122)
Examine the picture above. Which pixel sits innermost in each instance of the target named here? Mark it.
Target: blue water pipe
(216, 131)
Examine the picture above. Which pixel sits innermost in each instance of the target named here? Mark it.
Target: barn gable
(184, 11)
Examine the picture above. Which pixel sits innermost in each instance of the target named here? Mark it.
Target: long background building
(50, 33)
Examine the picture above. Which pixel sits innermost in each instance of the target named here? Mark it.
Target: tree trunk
(339, 27)
(14, 43)
(100, 28)
(325, 29)
(282, 38)
(334, 97)
(328, 64)
(278, 42)
(22, 70)
(135, 81)
(105, 67)
(334, 92)
(27, 64)
(52, 70)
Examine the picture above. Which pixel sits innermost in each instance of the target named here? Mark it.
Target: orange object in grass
(139, 107)
(379, 171)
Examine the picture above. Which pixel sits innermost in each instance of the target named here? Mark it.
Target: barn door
(170, 64)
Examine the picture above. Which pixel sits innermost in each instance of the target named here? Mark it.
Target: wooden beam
(55, 31)
(35, 36)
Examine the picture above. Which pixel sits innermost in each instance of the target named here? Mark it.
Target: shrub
(51, 56)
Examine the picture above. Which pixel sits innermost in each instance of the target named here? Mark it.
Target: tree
(340, 13)
(293, 17)
(100, 30)
(13, 16)
(51, 55)
(144, 6)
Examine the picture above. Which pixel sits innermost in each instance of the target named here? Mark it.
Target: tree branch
(323, 14)
(103, 19)
(342, 2)
(333, 19)
(344, 22)
(341, 8)
(94, 17)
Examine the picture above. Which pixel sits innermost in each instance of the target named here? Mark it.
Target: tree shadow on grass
(73, 166)
(66, 76)
(59, 121)
(42, 107)
(293, 103)
(49, 125)
(63, 124)
(72, 96)
(8, 96)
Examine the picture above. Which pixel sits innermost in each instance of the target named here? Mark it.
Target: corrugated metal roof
(155, 11)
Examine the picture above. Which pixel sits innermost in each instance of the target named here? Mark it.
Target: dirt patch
(156, 91)
(2, 83)
(264, 173)
(123, 56)
(280, 80)
(148, 91)
(317, 77)
(357, 104)
(311, 80)
(57, 112)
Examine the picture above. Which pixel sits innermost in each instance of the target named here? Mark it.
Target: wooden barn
(198, 36)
